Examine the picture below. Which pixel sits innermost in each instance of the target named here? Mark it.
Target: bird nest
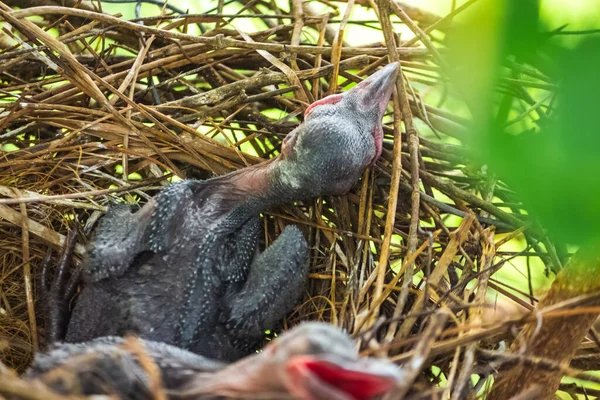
(96, 108)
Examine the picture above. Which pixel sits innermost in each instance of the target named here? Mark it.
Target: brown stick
(27, 276)
(554, 339)
(396, 166)
(219, 41)
(49, 236)
(457, 238)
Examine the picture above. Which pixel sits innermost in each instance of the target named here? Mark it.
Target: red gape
(358, 385)
(333, 99)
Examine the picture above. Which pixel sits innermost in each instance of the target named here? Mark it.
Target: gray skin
(184, 269)
(313, 361)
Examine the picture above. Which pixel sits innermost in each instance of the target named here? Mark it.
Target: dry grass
(96, 109)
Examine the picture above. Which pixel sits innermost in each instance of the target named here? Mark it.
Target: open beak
(328, 377)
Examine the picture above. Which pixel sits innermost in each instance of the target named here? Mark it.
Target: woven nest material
(97, 109)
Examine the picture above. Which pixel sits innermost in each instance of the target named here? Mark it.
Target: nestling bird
(184, 269)
(314, 361)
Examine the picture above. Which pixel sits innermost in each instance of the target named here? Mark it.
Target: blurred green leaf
(554, 167)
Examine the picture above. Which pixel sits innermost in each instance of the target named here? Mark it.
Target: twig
(395, 178)
(217, 42)
(27, 276)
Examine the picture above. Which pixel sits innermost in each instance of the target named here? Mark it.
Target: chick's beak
(373, 92)
(372, 95)
(376, 90)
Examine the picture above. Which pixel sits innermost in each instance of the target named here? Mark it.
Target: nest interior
(95, 109)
